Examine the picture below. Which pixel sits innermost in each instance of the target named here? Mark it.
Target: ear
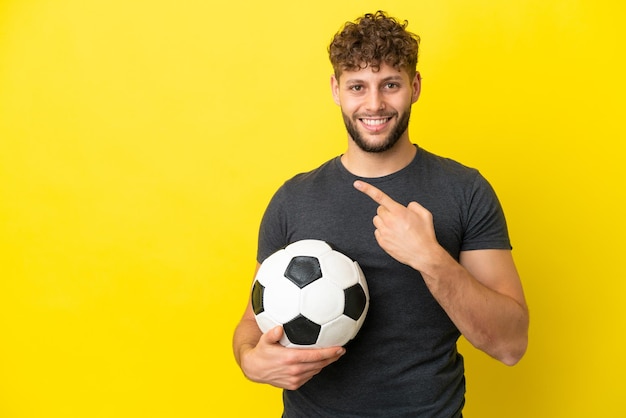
(334, 87)
(417, 87)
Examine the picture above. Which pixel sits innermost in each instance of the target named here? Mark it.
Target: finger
(330, 354)
(375, 194)
(273, 335)
(313, 355)
(317, 356)
(378, 222)
(416, 207)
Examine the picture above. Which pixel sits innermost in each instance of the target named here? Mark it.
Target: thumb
(273, 335)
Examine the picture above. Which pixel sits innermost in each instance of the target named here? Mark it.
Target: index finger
(317, 355)
(375, 193)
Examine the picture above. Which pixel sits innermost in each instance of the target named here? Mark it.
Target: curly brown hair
(373, 40)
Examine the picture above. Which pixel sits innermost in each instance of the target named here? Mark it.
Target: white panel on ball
(273, 268)
(339, 268)
(322, 301)
(282, 300)
(337, 332)
(310, 247)
(265, 322)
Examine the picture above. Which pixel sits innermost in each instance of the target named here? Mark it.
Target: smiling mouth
(374, 122)
(375, 125)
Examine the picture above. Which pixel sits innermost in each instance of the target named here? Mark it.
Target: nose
(374, 101)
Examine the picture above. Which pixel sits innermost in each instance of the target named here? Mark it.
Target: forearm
(493, 322)
(246, 336)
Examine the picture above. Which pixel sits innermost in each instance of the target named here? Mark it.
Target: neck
(372, 165)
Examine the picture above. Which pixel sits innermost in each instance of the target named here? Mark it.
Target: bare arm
(263, 359)
(482, 294)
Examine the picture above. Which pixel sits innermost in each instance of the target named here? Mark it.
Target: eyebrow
(384, 80)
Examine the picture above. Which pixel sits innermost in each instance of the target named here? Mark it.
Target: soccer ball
(317, 294)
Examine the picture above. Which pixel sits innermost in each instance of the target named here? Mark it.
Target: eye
(356, 87)
(391, 86)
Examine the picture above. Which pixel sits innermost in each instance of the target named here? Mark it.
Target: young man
(429, 234)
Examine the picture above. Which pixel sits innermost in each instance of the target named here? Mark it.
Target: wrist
(436, 263)
(243, 350)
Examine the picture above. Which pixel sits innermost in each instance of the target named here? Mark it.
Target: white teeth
(374, 122)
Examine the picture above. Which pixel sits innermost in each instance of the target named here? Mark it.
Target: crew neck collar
(348, 175)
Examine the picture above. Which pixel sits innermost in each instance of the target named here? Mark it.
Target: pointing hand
(406, 233)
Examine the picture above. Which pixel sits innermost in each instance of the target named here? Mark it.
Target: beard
(396, 133)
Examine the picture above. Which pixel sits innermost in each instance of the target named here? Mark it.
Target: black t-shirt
(404, 361)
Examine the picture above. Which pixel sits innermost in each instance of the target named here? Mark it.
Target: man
(429, 234)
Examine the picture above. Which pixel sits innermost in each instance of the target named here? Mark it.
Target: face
(376, 106)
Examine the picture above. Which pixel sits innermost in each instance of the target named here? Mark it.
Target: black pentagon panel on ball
(257, 298)
(302, 331)
(303, 270)
(355, 301)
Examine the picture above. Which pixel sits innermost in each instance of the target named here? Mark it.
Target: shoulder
(306, 186)
(446, 173)
(325, 173)
(439, 164)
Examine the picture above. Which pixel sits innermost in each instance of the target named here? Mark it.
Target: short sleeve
(272, 231)
(486, 226)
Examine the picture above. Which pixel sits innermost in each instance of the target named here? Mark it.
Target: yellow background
(141, 140)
